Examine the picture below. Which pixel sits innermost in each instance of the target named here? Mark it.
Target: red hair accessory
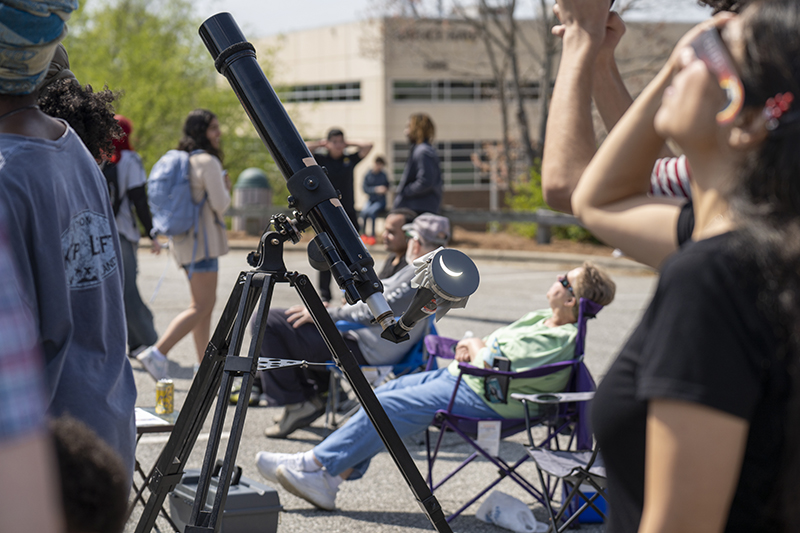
(776, 107)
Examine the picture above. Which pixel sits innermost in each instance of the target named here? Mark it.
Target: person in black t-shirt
(696, 418)
(340, 166)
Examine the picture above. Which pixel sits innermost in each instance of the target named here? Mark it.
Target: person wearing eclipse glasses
(588, 73)
(538, 338)
(696, 417)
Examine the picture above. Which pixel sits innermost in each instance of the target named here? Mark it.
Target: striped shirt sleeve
(670, 177)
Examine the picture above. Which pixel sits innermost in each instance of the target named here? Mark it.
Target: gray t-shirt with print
(62, 231)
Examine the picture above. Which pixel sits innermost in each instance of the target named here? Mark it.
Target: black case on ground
(251, 507)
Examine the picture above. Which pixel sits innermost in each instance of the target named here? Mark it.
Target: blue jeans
(410, 401)
(138, 317)
(370, 212)
(210, 264)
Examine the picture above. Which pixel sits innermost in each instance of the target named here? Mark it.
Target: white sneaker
(267, 463)
(313, 487)
(155, 363)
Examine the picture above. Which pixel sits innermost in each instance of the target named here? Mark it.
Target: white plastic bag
(508, 512)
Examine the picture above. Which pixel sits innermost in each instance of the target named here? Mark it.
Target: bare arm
(467, 349)
(364, 147)
(590, 33)
(610, 95)
(611, 198)
(314, 145)
(690, 446)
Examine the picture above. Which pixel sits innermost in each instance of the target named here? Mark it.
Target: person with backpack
(197, 248)
(126, 180)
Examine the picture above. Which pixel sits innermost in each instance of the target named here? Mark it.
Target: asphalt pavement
(512, 284)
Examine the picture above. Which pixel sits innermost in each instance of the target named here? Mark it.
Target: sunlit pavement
(511, 285)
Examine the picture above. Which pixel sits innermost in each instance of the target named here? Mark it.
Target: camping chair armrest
(554, 397)
(547, 401)
(544, 370)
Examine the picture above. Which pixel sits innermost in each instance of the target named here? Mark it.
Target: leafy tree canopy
(149, 52)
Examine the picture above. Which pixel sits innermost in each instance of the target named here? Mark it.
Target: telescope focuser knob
(253, 258)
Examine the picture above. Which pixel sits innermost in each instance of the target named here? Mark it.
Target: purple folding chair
(571, 419)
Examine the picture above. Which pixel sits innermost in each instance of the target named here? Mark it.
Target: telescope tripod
(222, 363)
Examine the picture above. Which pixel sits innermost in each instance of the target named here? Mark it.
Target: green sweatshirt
(528, 343)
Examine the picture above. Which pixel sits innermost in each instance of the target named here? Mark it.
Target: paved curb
(523, 256)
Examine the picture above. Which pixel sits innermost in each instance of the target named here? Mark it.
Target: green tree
(527, 196)
(149, 52)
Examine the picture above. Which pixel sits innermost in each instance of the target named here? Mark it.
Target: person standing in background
(375, 185)
(201, 134)
(420, 188)
(340, 168)
(131, 194)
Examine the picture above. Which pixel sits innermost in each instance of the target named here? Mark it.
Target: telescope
(444, 278)
(317, 204)
(312, 196)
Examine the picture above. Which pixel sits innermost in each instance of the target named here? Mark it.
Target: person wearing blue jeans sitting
(538, 338)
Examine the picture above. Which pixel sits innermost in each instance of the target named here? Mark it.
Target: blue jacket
(420, 189)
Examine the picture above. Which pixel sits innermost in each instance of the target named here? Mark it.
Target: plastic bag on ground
(508, 512)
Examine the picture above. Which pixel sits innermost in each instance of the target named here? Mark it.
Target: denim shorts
(204, 265)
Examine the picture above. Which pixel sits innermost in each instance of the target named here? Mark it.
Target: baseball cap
(433, 229)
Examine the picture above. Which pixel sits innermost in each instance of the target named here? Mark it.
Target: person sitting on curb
(375, 186)
(291, 334)
(538, 338)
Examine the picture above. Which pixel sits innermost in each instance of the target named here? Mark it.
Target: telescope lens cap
(455, 273)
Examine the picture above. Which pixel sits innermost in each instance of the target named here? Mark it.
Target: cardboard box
(251, 507)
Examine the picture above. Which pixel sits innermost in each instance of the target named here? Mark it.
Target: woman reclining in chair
(538, 338)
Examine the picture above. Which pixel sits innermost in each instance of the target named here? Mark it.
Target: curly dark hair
(734, 6)
(91, 114)
(194, 133)
(94, 484)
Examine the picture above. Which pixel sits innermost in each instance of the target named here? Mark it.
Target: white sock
(158, 354)
(309, 462)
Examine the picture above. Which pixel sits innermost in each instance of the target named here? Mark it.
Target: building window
(455, 90)
(325, 92)
(455, 158)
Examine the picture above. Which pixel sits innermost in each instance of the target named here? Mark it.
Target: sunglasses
(565, 283)
(711, 50)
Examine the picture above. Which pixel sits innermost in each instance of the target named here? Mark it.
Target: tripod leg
(235, 365)
(372, 407)
(168, 470)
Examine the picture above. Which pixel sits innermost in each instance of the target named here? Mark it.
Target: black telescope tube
(312, 193)
(262, 105)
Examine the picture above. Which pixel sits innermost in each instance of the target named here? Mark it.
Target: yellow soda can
(165, 395)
